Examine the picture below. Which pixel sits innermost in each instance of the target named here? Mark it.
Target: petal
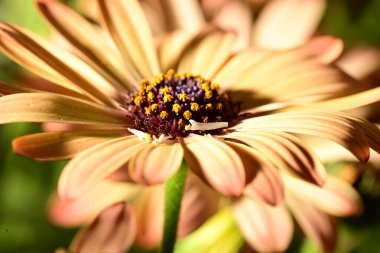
(86, 207)
(150, 217)
(8, 89)
(199, 203)
(325, 48)
(266, 183)
(360, 62)
(184, 15)
(336, 197)
(59, 145)
(54, 63)
(336, 126)
(284, 24)
(114, 230)
(292, 76)
(126, 23)
(215, 161)
(41, 107)
(286, 152)
(208, 55)
(318, 226)
(236, 16)
(94, 164)
(266, 228)
(156, 163)
(80, 33)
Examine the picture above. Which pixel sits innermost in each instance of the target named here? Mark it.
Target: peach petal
(266, 183)
(325, 48)
(277, 27)
(150, 217)
(318, 226)
(129, 29)
(42, 107)
(336, 126)
(114, 230)
(58, 145)
(156, 163)
(8, 89)
(217, 163)
(336, 197)
(86, 207)
(286, 152)
(94, 164)
(266, 228)
(80, 33)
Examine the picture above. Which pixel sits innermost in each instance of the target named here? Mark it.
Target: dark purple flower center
(168, 104)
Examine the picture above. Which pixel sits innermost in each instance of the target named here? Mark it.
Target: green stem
(174, 188)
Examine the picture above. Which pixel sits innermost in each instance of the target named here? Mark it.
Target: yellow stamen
(208, 94)
(171, 72)
(194, 107)
(215, 86)
(148, 88)
(147, 110)
(205, 119)
(150, 96)
(187, 115)
(219, 106)
(147, 137)
(168, 98)
(138, 100)
(183, 97)
(187, 127)
(176, 108)
(209, 106)
(205, 86)
(163, 115)
(165, 90)
(154, 107)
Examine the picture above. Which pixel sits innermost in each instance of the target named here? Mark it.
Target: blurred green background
(26, 185)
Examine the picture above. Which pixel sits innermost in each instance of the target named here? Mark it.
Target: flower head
(222, 111)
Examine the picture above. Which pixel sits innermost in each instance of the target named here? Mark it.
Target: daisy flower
(122, 103)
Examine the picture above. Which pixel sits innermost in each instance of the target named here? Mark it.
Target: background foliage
(26, 185)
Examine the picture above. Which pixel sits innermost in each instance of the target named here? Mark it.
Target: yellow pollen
(187, 127)
(165, 90)
(205, 86)
(147, 137)
(154, 107)
(180, 122)
(168, 98)
(205, 119)
(176, 108)
(208, 94)
(200, 79)
(150, 96)
(215, 86)
(187, 115)
(138, 100)
(170, 72)
(209, 106)
(183, 97)
(163, 115)
(194, 107)
(148, 88)
(147, 110)
(219, 106)
(144, 83)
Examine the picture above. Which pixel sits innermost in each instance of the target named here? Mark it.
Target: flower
(118, 108)
(142, 221)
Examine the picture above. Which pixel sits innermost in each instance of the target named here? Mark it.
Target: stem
(174, 188)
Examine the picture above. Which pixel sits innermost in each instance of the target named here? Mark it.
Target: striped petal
(285, 24)
(86, 207)
(217, 163)
(286, 152)
(59, 145)
(319, 227)
(336, 197)
(54, 63)
(126, 23)
(94, 164)
(207, 56)
(337, 127)
(265, 228)
(80, 33)
(266, 183)
(114, 230)
(156, 163)
(41, 107)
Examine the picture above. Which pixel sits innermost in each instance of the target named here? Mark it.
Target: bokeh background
(25, 185)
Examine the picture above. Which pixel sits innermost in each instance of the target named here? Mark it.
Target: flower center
(174, 105)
